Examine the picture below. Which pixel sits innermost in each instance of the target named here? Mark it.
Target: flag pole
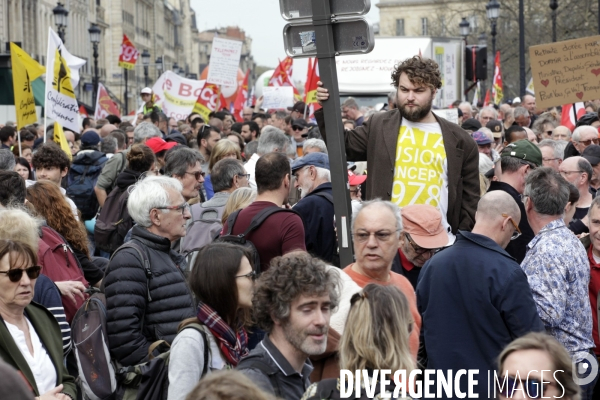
(19, 138)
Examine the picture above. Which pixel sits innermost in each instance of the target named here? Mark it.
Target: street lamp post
(482, 40)
(176, 68)
(159, 66)
(145, 62)
(465, 28)
(95, 34)
(61, 18)
(553, 7)
(493, 12)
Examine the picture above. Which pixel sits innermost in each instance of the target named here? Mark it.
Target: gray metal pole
(335, 131)
(522, 48)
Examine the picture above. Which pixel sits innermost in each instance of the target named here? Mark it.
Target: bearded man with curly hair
(414, 156)
(293, 301)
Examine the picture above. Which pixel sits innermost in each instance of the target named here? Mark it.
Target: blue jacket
(318, 216)
(474, 300)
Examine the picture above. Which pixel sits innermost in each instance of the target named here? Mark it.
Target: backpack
(60, 264)
(102, 378)
(81, 181)
(201, 231)
(256, 222)
(113, 221)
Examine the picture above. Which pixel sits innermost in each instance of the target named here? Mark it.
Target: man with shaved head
(106, 130)
(578, 171)
(466, 324)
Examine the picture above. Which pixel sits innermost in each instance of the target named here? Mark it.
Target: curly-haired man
(414, 156)
(293, 301)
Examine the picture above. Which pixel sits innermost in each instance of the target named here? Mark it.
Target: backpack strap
(253, 362)
(200, 329)
(262, 216)
(85, 171)
(231, 221)
(325, 195)
(143, 257)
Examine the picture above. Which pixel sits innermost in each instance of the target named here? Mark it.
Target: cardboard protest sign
(278, 97)
(224, 62)
(566, 72)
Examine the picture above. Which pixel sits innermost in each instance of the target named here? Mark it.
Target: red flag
(241, 99)
(83, 112)
(311, 89)
(104, 104)
(486, 101)
(497, 93)
(207, 100)
(571, 113)
(308, 75)
(281, 77)
(129, 54)
(222, 101)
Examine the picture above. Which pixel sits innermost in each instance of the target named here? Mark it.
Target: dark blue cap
(320, 160)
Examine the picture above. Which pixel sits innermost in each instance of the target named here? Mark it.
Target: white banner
(224, 62)
(62, 77)
(176, 95)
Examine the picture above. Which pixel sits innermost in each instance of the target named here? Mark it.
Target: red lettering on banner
(168, 84)
(185, 89)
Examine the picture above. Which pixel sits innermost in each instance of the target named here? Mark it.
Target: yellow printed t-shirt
(421, 168)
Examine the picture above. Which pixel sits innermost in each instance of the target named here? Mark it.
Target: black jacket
(133, 321)
(474, 299)
(127, 178)
(518, 247)
(318, 217)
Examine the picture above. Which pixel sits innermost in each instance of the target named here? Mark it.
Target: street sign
(350, 36)
(302, 9)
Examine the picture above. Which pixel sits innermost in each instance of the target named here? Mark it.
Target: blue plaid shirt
(559, 275)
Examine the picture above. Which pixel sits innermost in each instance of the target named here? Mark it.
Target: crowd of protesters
(477, 247)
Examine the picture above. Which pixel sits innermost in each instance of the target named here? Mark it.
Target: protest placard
(450, 114)
(277, 97)
(224, 62)
(566, 72)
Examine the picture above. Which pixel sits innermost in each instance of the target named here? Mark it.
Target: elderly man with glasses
(422, 236)
(376, 231)
(473, 296)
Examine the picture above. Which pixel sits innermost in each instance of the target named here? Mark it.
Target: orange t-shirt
(405, 287)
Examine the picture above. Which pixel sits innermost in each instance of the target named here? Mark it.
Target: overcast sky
(262, 21)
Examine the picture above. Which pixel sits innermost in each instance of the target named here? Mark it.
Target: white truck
(367, 77)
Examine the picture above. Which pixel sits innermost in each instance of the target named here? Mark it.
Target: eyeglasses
(183, 208)
(251, 275)
(531, 166)
(197, 174)
(588, 142)
(533, 387)
(16, 274)
(549, 132)
(549, 159)
(380, 236)
(247, 176)
(418, 249)
(297, 128)
(517, 232)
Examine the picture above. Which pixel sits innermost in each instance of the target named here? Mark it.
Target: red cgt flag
(241, 99)
(281, 77)
(571, 113)
(207, 101)
(310, 89)
(104, 104)
(129, 54)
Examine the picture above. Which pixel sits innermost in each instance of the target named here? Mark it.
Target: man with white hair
(552, 153)
(487, 114)
(314, 146)
(144, 277)
(583, 136)
(316, 205)
(466, 109)
(522, 117)
(271, 140)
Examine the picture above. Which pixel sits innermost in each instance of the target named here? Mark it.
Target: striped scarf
(233, 346)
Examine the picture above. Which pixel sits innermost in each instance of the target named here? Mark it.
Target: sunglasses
(197, 174)
(297, 128)
(16, 274)
(534, 388)
(588, 142)
(418, 249)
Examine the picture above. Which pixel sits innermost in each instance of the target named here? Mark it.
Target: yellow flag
(25, 70)
(61, 140)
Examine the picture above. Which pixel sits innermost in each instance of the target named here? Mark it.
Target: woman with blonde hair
(239, 198)
(520, 367)
(375, 338)
(223, 149)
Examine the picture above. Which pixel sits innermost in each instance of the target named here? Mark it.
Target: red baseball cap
(424, 224)
(158, 144)
(354, 180)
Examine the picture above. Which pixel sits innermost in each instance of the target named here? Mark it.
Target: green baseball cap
(524, 150)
